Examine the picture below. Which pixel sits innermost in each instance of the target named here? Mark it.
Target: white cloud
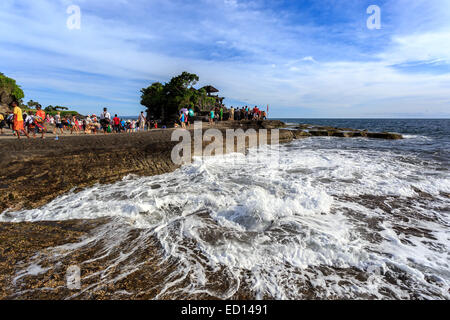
(275, 63)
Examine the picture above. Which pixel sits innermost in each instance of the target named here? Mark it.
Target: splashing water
(330, 220)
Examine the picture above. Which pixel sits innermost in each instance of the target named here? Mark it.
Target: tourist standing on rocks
(105, 120)
(2, 123)
(28, 122)
(10, 121)
(186, 118)
(232, 113)
(191, 116)
(18, 120)
(216, 115)
(148, 121)
(49, 119)
(87, 124)
(142, 121)
(116, 124)
(211, 117)
(264, 115)
(40, 119)
(74, 125)
(95, 124)
(183, 120)
(66, 123)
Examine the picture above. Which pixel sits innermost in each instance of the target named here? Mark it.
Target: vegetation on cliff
(163, 101)
(50, 110)
(9, 90)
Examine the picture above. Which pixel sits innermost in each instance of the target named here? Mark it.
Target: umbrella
(184, 110)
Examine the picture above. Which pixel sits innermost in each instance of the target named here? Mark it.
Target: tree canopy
(163, 101)
(9, 90)
(53, 109)
(32, 104)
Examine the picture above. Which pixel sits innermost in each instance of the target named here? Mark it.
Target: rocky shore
(34, 172)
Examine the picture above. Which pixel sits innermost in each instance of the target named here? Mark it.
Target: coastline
(37, 171)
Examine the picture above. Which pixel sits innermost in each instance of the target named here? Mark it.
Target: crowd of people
(246, 113)
(34, 122)
(186, 118)
(218, 114)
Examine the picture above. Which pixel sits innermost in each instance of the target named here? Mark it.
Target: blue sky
(303, 58)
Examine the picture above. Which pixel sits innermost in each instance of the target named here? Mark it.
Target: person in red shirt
(116, 122)
(40, 118)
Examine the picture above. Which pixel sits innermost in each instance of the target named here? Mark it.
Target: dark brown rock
(384, 135)
(319, 133)
(299, 134)
(272, 124)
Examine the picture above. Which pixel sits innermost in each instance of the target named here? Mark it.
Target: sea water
(333, 218)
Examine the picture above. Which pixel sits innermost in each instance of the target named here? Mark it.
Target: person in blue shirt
(182, 120)
(211, 118)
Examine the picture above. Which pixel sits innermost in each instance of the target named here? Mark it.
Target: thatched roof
(210, 89)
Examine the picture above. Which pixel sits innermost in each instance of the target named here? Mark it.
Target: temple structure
(210, 90)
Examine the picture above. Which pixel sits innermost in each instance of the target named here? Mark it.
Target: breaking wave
(326, 221)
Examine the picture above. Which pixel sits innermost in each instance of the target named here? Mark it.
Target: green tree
(9, 90)
(32, 104)
(178, 93)
(204, 101)
(163, 101)
(50, 108)
(64, 110)
(154, 99)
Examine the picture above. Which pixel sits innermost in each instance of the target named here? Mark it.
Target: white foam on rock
(283, 222)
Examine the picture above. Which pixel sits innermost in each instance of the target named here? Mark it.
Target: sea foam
(342, 222)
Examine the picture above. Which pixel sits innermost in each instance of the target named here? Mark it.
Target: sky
(303, 58)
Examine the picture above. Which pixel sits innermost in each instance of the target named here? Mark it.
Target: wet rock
(286, 136)
(299, 134)
(272, 124)
(384, 135)
(319, 133)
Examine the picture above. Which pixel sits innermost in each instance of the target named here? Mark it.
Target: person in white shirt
(58, 123)
(105, 119)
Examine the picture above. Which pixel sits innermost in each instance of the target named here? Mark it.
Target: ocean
(335, 218)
